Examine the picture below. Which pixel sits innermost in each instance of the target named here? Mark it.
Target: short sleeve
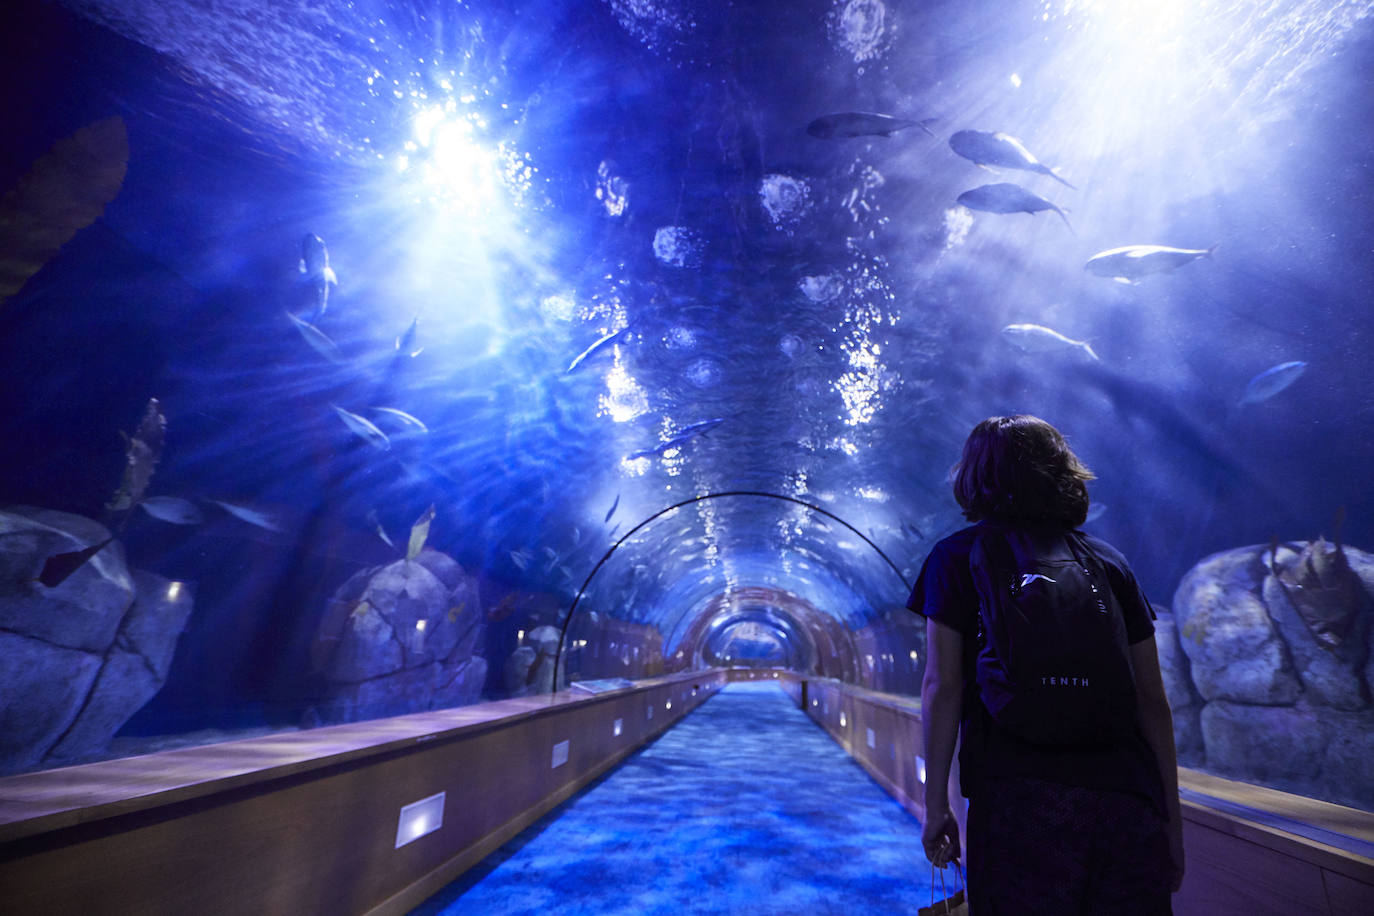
(1139, 615)
(944, 590)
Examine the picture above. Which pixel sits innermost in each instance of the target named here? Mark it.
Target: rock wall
(401, 638)
(1269, 666)
(82, 657)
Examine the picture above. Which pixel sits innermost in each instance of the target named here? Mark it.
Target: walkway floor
(743, 807)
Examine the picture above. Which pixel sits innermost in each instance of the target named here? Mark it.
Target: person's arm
(941, 697)
(1157, 722)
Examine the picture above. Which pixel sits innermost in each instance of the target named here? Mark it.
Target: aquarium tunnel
(431, 426)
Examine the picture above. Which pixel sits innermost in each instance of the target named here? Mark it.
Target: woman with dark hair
(1054, 827)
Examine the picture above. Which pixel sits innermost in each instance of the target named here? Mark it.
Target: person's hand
(1175, 861)
(940, 837)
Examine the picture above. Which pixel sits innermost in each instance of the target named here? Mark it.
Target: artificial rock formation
(1274, 670)
(399, 638)
(83, 656)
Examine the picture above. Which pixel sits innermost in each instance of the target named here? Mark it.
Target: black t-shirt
(945, 592)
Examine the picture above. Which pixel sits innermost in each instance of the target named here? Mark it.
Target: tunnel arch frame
(723, 494)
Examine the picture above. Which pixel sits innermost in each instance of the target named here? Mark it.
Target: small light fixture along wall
(419, 818)
(618, 727)
(921, 768)
(871, 739)
(843, 723)
(668, 705)
(560, 755)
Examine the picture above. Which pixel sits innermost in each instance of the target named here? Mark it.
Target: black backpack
(1053, 664)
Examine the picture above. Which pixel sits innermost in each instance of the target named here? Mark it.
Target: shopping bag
(952, 904)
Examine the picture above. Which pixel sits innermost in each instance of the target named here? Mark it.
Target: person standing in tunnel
(1060, 824)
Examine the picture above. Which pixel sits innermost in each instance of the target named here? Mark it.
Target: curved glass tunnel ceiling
(592, 254)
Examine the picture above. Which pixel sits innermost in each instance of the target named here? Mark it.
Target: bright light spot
(876, 494)
(668, 705)
(418, 827)
(624, 399)
(420, 625)
(559, 307)
(920, 768)
(520, 636)
(1016, 80)
(958, 221)
(173, 591)
(913, 655)
(843, 723)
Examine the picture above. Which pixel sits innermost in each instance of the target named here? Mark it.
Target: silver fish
(377, 525)
(1271, 381)
(604, 341)
(1005, 197)
(317, 339)
(615, 505)
(251, 516)
(986, 148)
(1131, 262)
(686, 433)
(315, 265)
(172, 509)
(1036, 338)
(363, 428)
(862, 124)
(405, 418)
(405, 344)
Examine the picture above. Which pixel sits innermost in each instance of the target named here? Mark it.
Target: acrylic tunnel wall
(367, 360)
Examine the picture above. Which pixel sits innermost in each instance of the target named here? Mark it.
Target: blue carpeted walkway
(745, 806)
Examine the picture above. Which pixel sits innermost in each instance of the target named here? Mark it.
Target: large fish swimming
(1271, 381)
(1005, 197)
(317, 339)
(602, 342)
(1131, 262)
(987, 148)
(688, 432)
(1036, 338)
(315, 265)
(363, 428)
(862, 124)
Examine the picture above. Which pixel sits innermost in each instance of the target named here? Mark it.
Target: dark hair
(1020, 469)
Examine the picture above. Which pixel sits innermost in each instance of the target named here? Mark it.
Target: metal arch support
(563, 630)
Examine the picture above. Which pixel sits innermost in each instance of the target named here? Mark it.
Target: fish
(405, 344)
(142, 451)
(521, 559)
(615, 505)
(1271, 381)
(1131, 262)
(363, 428)
(849, 124)
(405, 418)
(419, 533)
(685, 434)
(377, 525)
(65, 190)
(59, 567)
(1035, 338)
(913, 531)
(986, 148)
(172, 509)
(1005, 197)
(602, 342)
(503, 609)
(1327, 594)
(317, 339)
(315, 265)
(251, 516)
(1095, 511)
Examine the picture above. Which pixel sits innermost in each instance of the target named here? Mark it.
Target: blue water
(528, 178)
(712, 818)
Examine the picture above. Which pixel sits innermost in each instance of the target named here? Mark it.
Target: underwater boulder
(85, 655)
(529, 669)
(1306, 724)
(85, 609)
(1234, 650)
(400, 638)
(1178, 686)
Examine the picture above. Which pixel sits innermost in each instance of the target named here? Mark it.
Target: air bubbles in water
(785, 198)
(704, 373)
(676, 246)
(861, 28)
(821, 288)
(791, 345)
